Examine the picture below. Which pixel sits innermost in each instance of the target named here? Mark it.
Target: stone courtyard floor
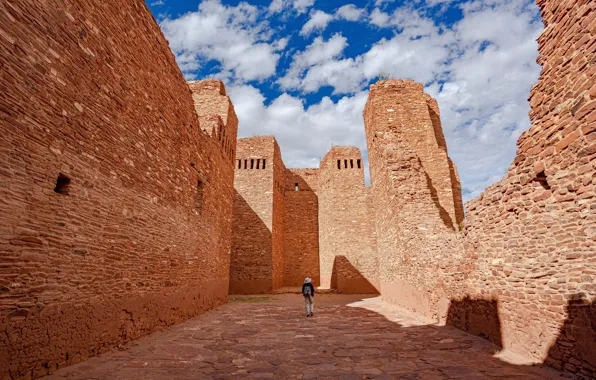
(269, 337)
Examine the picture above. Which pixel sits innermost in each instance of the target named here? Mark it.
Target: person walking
(308, 291)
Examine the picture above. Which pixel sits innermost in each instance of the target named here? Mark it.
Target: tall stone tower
(258, 214)
(415, 190)
(347, 242)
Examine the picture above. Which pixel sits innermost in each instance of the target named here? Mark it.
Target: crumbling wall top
(207, 86)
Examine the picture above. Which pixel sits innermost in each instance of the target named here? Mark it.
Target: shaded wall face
(107, 235)
(533, 232)
(301, 236)
(345, 226)
(251, 267)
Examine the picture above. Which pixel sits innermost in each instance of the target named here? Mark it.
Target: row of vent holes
(252, 164)
(346, 164)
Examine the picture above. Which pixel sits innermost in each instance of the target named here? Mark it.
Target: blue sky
(300, 69)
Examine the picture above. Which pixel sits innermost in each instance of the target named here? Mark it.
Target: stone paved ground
(270, 338)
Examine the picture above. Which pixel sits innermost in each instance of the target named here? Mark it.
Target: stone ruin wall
(315, 222)
(416, 212)
(534, 232)
(92, 92)
(255, 223)
(301, 227)
(523, 272)
(347, 242)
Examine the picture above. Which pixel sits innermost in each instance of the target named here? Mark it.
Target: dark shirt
(312, 288)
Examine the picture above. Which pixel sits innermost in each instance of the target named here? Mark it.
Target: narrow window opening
(252, 164)
(258, 163)
(345, 164)
(358, 162)
(239, 164)
(245, 164)
(62, 184)
(264, 160)
(351, 164)
(199, 197)
(339, 164)
(296, 188)
(541, 179)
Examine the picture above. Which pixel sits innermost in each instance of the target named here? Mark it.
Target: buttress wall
(534, 232)
(116, 206)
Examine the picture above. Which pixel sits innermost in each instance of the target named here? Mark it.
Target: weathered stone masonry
(116, 207)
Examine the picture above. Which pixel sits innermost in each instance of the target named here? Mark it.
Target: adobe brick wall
(92, 91)
(257, 237)
(345, 226)
(534, 232)
(301, 239)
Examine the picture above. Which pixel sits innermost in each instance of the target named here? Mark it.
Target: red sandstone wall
(301, 249)
(92, 91)
(278, 219)
(347, 250)
(256, 221)
(420, 257)
(534, 232)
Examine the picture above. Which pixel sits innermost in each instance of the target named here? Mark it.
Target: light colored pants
(309, 303)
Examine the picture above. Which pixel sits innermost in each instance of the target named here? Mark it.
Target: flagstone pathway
(269, 337)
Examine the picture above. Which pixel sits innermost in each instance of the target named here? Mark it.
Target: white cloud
(480, 70)
(319, 52)
(350, 12)
(480, 75)
(304, 134)
(318, 21)
(236, 37)
(299, 6)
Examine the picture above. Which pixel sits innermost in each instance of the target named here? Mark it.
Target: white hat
(307, 280)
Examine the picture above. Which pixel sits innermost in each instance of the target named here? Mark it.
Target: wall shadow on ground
(251, 270)
(574, 350)
(356, 339)
(576, 345)
(478, 317)
(349, 280)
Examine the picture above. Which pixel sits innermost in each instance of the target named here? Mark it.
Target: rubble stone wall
(106, 233)
(534, 232)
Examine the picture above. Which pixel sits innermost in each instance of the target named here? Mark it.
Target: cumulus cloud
(304, 134)
(480, 70)
(480, 75)
(236, 37)
(299, 6)
(318, 21)
(350, 12)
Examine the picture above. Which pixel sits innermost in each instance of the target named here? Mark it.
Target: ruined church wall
(534, 232)
(253, 216)
(301, 234)
(421, 259)
(278, 219)
(348, 259)
(91, 91)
